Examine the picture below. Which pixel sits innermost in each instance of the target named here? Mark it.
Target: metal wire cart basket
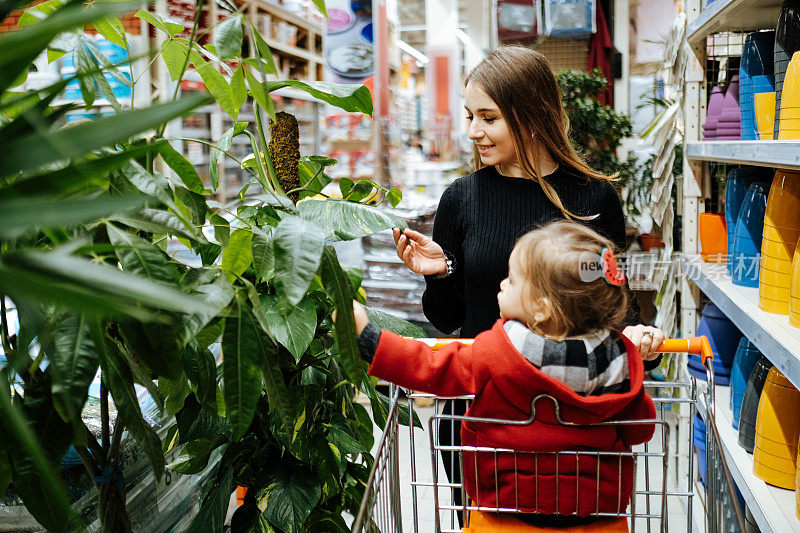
(414, 494)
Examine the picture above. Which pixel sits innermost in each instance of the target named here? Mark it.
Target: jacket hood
(515, 388)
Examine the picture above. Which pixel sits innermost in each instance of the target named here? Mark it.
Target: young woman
(528, 174)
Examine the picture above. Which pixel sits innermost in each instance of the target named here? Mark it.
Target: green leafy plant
(596, 130)
(88, 230)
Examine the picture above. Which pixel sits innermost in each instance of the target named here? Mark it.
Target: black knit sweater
(479, 219)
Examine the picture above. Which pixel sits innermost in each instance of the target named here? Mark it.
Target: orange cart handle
(693, 345)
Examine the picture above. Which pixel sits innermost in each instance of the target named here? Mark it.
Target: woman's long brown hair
(519, 80)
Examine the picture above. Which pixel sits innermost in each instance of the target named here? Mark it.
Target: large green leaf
(347, 96)
(339, 290)
(195, 456)
(174, 54)
(192, 205)
(139, 374)
(259, 94)
(89, 287)
(111, 28)
(215, 83)
(118, 379)
(73, 365)
(201, 369)
(216, 295)
(237, 256)
(183, 168)
(85, 67)
(392, 323)
(289, 498)
(298, 247)
(19, 48)
(341, 220)
(195, 423)
(211, 516)
(241, 373)
(84, 176)
(263, 253)
(312, 174)
(295, 330)
(238, 87)
(49, 503)
(53, 432)
(154, 345)
(159, 221)
(40, 148)
(274, 382)
(158, 21)
(141, 257)
(228, 37)
(18, 215)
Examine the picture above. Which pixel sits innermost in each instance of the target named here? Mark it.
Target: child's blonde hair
(551, 259)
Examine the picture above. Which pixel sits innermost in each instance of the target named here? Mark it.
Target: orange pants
(480, 522)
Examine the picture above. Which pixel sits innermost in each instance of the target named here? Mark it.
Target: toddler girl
(561, 307)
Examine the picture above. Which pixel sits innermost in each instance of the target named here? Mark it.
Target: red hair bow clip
(611, 271)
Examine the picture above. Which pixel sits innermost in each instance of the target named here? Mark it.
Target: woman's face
(487, 128)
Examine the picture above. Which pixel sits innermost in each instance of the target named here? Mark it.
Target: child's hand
(361, 317)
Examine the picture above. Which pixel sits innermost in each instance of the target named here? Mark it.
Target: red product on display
(518, 20)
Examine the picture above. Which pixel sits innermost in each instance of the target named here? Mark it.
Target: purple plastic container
(714, 109)
(729, 118)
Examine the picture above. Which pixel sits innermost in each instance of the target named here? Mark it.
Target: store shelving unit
(778, 154)
(732, 15)
(296, 42)
(771, 333)
(772, 508)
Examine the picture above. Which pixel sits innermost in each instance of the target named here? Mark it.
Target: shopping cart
(663, 496)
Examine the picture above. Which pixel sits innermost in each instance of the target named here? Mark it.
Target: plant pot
(752, 395)
(713, 237)
(650, 241)
(747, 355)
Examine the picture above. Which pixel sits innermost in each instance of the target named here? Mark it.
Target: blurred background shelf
(732, 15)
(781, 154)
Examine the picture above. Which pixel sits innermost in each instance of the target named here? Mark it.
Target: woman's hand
(646, 339)
(419, 253)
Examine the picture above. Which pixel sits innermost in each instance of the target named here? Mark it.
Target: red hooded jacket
(504, 383)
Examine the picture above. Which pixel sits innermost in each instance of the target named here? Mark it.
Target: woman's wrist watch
(449, 266)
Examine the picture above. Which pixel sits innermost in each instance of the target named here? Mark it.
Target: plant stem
(88, 460)
(97, 451)
(116, 440)
(197, 16)
(208, 143)
(104, 431)
(4, 322)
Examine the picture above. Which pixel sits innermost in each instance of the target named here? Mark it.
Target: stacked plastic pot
(755, 76)
(724, 338)
(787, 42)
(780, 235)
(747, 355)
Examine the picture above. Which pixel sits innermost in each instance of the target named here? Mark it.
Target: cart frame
(380, 508)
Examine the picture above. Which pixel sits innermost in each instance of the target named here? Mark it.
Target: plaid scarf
(593, 364)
